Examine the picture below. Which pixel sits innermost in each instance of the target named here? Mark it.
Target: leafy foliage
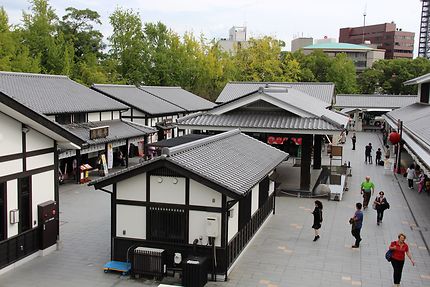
(152, 54)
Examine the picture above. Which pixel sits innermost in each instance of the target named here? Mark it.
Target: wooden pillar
(305, 165)
(126, 153)
(145, 147)
(78, 166)
(317, 151)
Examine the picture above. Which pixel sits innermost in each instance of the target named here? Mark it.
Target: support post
(126, 152)
(78, 166)
(317, 151)
(305, 165)
(399, 148)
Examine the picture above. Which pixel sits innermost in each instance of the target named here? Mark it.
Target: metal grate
(148, 261)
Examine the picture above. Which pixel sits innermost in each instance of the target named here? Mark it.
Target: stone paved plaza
(283, 253)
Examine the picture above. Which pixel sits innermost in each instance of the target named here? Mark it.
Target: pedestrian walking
(410, 175)
(317, 218)
(384, 137)
(378, 156)
(367, 190)
(399, 249)
(421, 180)
(387, 152)
(368, 153)
(356, 223)
(380, 204)
(354, 140)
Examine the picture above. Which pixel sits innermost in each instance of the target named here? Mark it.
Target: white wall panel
(93, 117)
(254, 199)
(137, 113)
(116, 115)
(10, 135)
(40, 161)
(132, 220)
(126, 113)
(271, 187)
(106, 116)
(42, 190)
(233, 222)
(202, 195)
(197, 226)
(167, 191)
(12, 203)
(132, 188)
(10, 167)
(36, 141)
(139, 121)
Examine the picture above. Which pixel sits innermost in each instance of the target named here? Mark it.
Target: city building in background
(424, 45)
(301, 42)
(362, 56)
(237, 38)
(395, 42)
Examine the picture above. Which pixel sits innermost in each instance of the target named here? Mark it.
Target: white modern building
(237, 39)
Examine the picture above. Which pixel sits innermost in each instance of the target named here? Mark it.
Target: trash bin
(195, 272)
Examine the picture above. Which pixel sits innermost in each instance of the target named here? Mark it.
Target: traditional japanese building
(29, 211)
(211, 194)
(289, 117)
(91, 116)
(155, 106)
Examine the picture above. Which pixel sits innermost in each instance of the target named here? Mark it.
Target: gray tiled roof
(416, 118)
(234, 90)
(51, 94)
(374, 101)
(258, 119)
(138, 98)
(118, 130)
(180, 97)
(231, 159)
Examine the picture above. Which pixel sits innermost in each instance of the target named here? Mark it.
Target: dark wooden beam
(305, 164)
(317, 151)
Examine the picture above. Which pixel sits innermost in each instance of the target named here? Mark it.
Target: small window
(63, 119)
(79, 117)
(3, 214)
(24, 203)
(167, 224)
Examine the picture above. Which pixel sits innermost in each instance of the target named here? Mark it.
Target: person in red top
(399, 248)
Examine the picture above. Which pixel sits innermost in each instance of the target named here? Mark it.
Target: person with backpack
(399, 248)
(378, 156)
(317, 218)
(380, 204)
(368, 153)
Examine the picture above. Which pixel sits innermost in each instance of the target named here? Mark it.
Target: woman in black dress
(317, 218)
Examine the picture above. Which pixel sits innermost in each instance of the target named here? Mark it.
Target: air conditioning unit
(195, 272)
(148, 261)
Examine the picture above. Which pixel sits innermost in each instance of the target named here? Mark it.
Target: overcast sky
(284, 19)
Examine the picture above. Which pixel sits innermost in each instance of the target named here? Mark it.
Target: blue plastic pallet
(117, 266)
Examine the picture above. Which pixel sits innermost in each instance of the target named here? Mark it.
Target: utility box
(195, 272)
(212, 226)
(48, 223)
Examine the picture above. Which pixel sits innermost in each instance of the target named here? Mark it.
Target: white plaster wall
(133, 188)
(12, 203)
(233, 222)
(197, 226)
(132, 219)
(106, 116)
(127, 112)
(93, 117)
(116, 115)
(167, 191)
(42, 185)
(203, 195)
(271, 187)
(139, 121)
(10, 167)
(10, 135)
(36, 141)
(40, 161)
(138, 113)
(254, 199)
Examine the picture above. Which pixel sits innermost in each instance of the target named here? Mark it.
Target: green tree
(127, 46)
(341, 72)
